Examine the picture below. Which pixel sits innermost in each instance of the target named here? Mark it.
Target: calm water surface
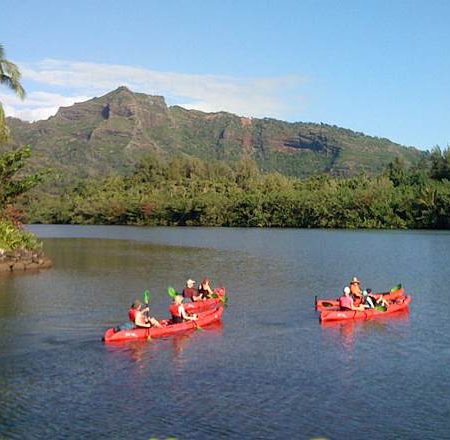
(269, 371)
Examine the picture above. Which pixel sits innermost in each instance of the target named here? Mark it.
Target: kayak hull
(399, 304)
(168, 329)
(206, 304)
(333, 304)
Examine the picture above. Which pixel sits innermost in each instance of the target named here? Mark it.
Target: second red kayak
(399, 304)
(333, 304)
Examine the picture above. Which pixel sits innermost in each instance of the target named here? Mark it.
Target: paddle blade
(171, 292)
(397, 287)
(146, 297)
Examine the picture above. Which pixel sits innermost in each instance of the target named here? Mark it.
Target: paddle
(223, 298)
(172, 292)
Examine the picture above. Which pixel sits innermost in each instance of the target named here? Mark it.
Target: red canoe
(399, 304)
(333, 304)
(204, 319)
(207, 304)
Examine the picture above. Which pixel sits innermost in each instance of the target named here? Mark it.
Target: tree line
(186, 191)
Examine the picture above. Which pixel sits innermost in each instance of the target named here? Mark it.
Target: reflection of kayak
(168, 329)
(333, 304)
(207, 304)
(398, 305)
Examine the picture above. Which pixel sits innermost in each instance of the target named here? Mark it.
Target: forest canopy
(186, 191)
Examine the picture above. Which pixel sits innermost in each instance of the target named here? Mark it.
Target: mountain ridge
(111, 133)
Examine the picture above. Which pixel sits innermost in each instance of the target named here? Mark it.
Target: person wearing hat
(346, 301)
(355, 289)
(190, 291)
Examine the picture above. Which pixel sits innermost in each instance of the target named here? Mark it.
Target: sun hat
(190, 282)
(354, 281)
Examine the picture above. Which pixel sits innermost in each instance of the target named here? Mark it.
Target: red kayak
(333, 304)
(207, 304)
(168, 329)
(399, 304)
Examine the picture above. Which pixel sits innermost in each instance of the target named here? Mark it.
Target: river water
(269, 371)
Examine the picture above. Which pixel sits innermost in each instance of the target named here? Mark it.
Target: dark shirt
(190, 292)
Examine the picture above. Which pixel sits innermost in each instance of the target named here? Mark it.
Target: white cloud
(37, 105)
(266, 96)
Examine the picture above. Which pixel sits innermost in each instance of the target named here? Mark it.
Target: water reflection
(144, 351)
(346, 333)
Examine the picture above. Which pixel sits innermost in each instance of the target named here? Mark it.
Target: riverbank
(20, 260)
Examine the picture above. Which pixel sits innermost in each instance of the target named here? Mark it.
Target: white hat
(190, 282)
(346, 290)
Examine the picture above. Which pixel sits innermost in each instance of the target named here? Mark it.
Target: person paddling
(346, 301)
(178, 311)
(204, 289)
(137, 315)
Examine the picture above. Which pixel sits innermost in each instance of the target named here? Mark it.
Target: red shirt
(174, 310)
(132, 315)
(190, 292)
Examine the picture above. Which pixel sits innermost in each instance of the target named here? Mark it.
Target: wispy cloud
(77, 81)
(37, 105)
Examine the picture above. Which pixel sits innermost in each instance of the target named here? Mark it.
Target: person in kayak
(371, 301)
(191, 292)
(140, 317)
(178, 311)
(355, 289)
(368, 300)
(204, 289)
(346, 301)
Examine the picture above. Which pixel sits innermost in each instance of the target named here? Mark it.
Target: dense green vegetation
(12, 183)
(188, 191)
(109, 135)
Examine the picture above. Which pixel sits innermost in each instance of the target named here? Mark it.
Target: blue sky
(379, 67)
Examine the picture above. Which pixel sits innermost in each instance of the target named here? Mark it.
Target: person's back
(177, 311)
(346, 301)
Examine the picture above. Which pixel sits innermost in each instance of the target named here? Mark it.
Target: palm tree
(10, 76)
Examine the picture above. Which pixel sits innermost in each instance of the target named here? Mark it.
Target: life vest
(132, 315)
(174, 310)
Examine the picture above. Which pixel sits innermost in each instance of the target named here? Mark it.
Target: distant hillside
(111, 133)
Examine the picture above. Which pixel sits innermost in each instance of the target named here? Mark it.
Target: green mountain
(110, 134)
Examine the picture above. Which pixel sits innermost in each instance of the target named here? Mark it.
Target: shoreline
(15, 261)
